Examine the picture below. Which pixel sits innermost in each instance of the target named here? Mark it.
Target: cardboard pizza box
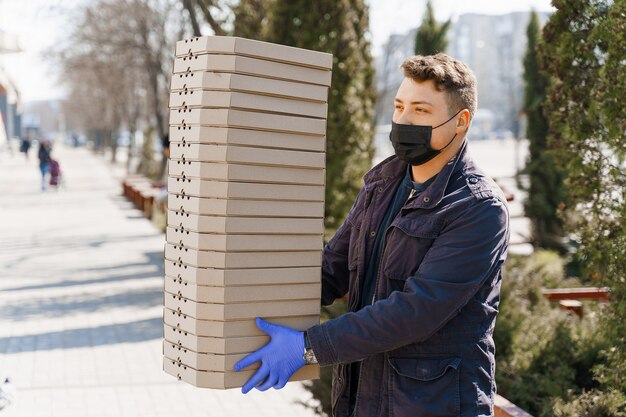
(247, 101)
(238, 260)
(249, 47)
(250, 173)
(223, 81)
(227, 345)
(183, 138)
(183, 205)
(248, 155)
(246, 310)
(241, 294)
(242, 243)
(222, 223)
(225, 380)
(261, 68)
(232, 328)
(268, 210)
(227, 277)
(243, 190)
(203, 361)
(244, 225)
(247, 120)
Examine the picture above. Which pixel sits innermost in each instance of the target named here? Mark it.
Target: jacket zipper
(380, 264)
(356, 401)
(369, 194)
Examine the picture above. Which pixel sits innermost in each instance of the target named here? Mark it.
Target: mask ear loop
(448, 143)
(453, 116)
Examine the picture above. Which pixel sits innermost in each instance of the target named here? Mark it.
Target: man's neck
(422, 173)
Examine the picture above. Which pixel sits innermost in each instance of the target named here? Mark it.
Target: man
(420, 255)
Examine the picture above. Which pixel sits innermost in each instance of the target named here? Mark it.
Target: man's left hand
(280, 358)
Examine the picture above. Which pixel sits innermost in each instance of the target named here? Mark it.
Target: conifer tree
(431, 35)
(250, 19)
(583, 52)
(546, 181)
(338, 27)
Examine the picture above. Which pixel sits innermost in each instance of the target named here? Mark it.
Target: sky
(38, 26)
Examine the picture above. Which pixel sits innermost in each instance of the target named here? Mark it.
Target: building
(10, 103)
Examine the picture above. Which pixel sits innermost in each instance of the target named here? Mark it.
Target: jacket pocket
(425, 387)
(407, 244)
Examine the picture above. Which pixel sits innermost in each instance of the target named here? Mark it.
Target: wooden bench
(505, 408)
(591, 293)
(141, 191)
(569, 298)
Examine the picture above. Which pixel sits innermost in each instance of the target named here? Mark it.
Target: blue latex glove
(280, 358)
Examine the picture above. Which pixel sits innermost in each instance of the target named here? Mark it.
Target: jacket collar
(394, 167)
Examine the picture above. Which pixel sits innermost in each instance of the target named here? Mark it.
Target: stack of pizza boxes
(246, 202)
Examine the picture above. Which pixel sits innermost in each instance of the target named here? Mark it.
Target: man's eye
(398, 107)
(420, 110)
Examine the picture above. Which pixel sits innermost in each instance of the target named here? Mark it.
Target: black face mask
(412, 142)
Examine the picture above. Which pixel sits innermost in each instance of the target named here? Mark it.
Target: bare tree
(215, 13)
(120, 54)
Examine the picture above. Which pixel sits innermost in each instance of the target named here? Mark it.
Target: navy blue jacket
(425, 344)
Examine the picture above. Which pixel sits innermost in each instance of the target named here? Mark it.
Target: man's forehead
(419, 92)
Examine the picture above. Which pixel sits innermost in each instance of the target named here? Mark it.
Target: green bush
(544, 354)
(592, 403)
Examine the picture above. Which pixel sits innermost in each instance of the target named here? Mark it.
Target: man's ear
(463, 121)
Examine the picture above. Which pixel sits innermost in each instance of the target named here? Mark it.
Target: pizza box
(238, 311)
(232, 328)
(244, 225)
(203, 361)
(242, 243)
(221, 345)
(190, 222)
(248, 155)
(226, 277)
(225, 380)
(183, 138)
(248, 120)
(241, 294)
(261, 210)
(224, 81)
(244, 190)
(250, 173)
(261, 68)
(247, 101)
(239, 260)
(249, 47)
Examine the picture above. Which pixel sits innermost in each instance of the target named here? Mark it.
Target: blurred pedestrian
(44, 154)
(25, 144)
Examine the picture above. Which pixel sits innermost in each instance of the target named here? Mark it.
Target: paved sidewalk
(80, 304)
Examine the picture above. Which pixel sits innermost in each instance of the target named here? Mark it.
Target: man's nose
(403, 120)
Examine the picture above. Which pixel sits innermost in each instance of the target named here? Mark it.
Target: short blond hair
(449, 75)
